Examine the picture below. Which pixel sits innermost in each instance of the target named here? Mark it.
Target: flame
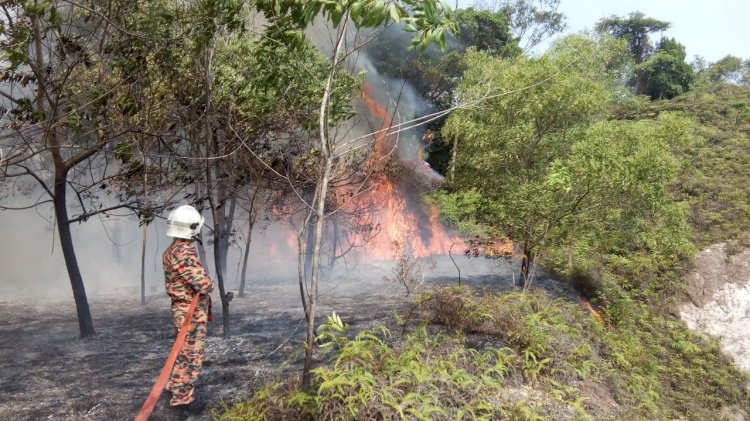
(393, 218)
(378, 112)
(492, 248)
(587, 305)
(395, 214)
(389, 216)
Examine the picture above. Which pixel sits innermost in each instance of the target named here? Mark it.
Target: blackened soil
(48, 373)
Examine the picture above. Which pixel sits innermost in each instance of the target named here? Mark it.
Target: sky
(710, 29)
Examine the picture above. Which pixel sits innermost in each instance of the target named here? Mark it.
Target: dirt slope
(719, 299)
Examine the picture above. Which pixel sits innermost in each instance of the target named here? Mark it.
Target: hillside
(714, 179)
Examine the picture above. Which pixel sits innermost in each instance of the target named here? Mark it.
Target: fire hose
(153, 397)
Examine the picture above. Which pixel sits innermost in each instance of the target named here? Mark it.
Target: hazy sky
(711, 29)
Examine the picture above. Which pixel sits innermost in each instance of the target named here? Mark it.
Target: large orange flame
(396, 214)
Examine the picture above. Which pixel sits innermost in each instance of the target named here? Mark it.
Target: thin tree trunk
(201, 250)
(85, 322)
(309, 243)
(313, 293)
(145, 236)
(319, 204)
(226, 230)
(220, 274)
(525, 264)
(143, 265)
(60, 203)
(640, 82)
(246, 256)
(251, 217)
(640, 74)
(303, 248)
(454, 153)
(218, 219)
(214, 183)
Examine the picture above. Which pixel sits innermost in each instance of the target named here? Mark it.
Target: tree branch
(84, 216)
(34, 176)
(109, 21)
(25, 207)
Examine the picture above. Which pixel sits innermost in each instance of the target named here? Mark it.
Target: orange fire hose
(153, 397)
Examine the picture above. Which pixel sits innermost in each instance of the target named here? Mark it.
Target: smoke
(109, 257)
(388, 59)
(384, 54)
(109, 248)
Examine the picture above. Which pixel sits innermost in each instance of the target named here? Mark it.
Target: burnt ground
(48, 373)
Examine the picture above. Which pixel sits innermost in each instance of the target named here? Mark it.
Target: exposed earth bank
(719, 299)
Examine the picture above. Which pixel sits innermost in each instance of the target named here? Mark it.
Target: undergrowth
(544, 359)
(653, 367)
(428, 377)
(714, 179)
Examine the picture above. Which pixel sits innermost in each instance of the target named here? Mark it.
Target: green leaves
(395, 12)
(515, 146)
(17, 48)
(544, 168)
(430, 377)
(667, 74)
(245, 82)
(430, 20)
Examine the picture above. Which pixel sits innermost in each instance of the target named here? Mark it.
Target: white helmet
(184, 222)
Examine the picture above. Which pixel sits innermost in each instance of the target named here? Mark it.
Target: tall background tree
(635, 29)
(666, 72)
(728, 69)
(531, 22)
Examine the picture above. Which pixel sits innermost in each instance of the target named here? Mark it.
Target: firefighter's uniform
(184, 276)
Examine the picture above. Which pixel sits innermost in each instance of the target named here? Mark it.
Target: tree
(531, 23)
(272, 112)
(63, 96)
(167, 88)
(666, 72)
(632, 226)
(213, 18)
(635, 29)
(233, 118)
(513, 149)
(430, 21)
(487, 31)
(728, 69)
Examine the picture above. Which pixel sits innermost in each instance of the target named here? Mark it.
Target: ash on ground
(48, 373)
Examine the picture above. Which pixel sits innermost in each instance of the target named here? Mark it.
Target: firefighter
(184, 276)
